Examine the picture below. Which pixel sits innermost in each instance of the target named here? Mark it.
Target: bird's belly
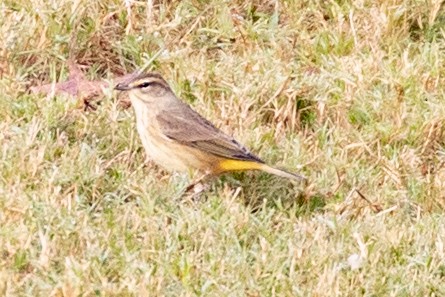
(169, 154)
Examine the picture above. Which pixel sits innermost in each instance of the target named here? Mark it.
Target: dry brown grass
(350, 93)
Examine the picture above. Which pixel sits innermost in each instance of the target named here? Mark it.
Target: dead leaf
(87, 92)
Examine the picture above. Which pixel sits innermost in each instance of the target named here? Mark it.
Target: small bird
(179, 139)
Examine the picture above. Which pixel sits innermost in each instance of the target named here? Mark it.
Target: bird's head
(145, 87)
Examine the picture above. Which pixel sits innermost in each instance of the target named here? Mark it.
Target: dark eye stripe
(144, 85)
(152, 83)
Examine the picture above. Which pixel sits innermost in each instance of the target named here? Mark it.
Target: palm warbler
(177, 138)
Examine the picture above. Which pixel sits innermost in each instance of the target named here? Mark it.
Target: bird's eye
(144, 85)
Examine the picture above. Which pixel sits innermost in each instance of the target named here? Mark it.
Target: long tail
(282, 173)
(235, 165)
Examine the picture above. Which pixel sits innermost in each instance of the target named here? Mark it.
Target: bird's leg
(194, 185)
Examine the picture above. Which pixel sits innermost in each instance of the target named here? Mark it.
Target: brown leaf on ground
(84, 90)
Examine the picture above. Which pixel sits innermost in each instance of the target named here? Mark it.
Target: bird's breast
(168, 153)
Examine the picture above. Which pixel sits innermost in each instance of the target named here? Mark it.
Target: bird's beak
(122, 87)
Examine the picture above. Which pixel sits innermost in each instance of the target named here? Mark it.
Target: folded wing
(187, 127)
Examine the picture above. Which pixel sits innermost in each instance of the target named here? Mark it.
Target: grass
(349, 93)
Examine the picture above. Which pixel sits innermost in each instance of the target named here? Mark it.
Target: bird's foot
(194, 191)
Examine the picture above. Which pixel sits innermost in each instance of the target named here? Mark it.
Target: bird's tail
(282, 173)
(235, 165)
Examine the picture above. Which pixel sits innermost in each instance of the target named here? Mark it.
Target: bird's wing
(187, 127)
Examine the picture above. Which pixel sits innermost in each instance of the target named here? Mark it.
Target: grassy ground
(349, 93)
